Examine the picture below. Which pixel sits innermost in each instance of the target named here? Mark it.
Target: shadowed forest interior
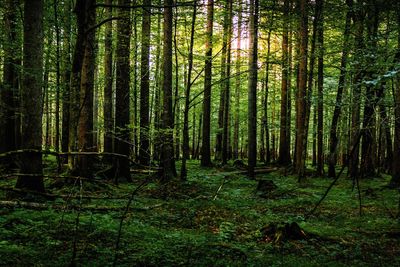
(205, 132)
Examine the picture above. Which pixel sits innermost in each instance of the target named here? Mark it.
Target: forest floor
(216, 218)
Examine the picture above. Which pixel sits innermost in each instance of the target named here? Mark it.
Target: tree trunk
(333, 136)
(31, 98)
(82, 12)
(368, 153)
(9, 90)
(358, 20)
(320, 85)
(205, 148)
(66, 77)
(299, 165)
(395, 181)
(187, 98)
(252, 87)
(58, 74)
(237, 85)
(226, 84)
(284, 149)
(122, 99)
(108, 90)
(85, 123)
(144, 152)
(224, 75)
(168, 170)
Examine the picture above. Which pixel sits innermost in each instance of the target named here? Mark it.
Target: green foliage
(201, 226)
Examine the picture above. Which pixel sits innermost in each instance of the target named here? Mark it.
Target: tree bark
(168, 170)
(108, 90)
(9, 90)
(144, 152)
(85, 123)
(205, 148)
(226, 84)
(252, 88)
(122, 99)
(333, 136)
(284, 148)
(187, 98)
(237, 84)
(358, 20)
(299, 165)
(31, 98)
(320, 86)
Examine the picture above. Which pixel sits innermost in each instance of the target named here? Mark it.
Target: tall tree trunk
(395, 181)
(122, 99)
(333, 136)
(226, 84)
(85, 123)
(284, 149)
(108, 90)
(205, 148)
(31, 98)
(187, 98)
(66, 77)
(358, 20)
(82, 10)
(9, 92)
(157, 95)
(58, 74)
(168, 170)
(144, 152)
(367, 167)
(224, 75)
(299, 165)
(135, 86)
(252, 87)
(320, 85)
(237, 84)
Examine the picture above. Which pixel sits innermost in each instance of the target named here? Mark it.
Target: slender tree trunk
(226, 84)
(144, 152)
(237, 85)
(252, 87)
(122, 99)
(108, 90)
(66, 77)
(187, 98)
(299, 165)
(358, 19)
(58, 75)
(395, 181)
(82, 12)
(368, 153)
(224, 75)
(9, 90)
(333, 136)
(284, 148)
(157, 95)
(85, 123)
(31, 98)
(168, 170)
(320, 86)
(205, 148)
(136, 128)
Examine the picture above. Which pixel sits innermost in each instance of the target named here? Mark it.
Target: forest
(199, 132)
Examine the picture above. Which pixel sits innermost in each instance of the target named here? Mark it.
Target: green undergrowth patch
(213, 219)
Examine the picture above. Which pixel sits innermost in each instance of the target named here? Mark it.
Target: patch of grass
(213, 219)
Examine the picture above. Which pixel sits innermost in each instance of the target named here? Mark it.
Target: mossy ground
(194, 225)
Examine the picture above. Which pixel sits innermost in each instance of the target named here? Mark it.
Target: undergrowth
(213, 219)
